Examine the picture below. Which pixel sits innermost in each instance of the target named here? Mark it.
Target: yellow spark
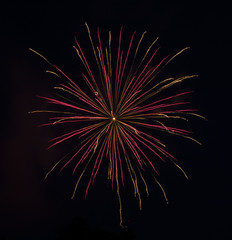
(197, 115)
(39, 55)
(48, 71)
(96, 145)
(186, 48)
(75, 189)
(180, 169)
(52, 169)
(144, 182)
(49, 111)
(165, 196)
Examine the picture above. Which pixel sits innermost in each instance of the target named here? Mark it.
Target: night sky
(34, 208)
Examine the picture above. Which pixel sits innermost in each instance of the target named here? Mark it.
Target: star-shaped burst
(119, 114)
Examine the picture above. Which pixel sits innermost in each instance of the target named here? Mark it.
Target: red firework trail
(113, 116)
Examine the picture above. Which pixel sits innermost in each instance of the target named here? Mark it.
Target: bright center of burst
(113, 118)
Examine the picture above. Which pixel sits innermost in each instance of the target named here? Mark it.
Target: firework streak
(116, 116)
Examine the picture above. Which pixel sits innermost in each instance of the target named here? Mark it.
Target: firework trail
(117, 112)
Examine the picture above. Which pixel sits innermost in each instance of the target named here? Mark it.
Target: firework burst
(117, 112)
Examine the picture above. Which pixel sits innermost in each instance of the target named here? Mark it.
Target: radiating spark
(54, 73)
(181, 169)
(164, 193)
(118, 115)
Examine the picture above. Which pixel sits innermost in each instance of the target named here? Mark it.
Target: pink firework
(114, 115)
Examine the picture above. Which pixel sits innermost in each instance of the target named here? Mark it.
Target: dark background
(32, 208)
